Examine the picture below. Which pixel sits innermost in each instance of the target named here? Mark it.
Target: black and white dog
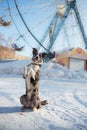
(31, 75)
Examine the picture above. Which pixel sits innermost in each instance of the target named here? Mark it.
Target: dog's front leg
(28, 87)
(32, 73)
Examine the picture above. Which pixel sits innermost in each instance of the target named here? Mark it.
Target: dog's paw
(34, 109)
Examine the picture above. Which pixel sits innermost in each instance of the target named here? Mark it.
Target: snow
(65, 90)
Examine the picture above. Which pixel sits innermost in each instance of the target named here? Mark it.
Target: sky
(37, 15)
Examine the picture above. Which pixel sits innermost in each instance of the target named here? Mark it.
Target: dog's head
(38, 57)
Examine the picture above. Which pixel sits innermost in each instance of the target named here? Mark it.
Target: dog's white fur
(30, 71)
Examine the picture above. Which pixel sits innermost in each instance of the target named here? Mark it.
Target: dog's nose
(36, 57)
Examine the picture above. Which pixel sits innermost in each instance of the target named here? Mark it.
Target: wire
(25, 12)
(15, 15)
(43, 21)
(15, 23)
(30, 7)
(37, 25)
(27, 26)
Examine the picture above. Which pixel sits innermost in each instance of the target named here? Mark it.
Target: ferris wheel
(44, 22)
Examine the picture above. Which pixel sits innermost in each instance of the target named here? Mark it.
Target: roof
(74, 53)
(78, 53)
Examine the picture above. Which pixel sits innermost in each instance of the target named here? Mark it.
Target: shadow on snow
(8, 110)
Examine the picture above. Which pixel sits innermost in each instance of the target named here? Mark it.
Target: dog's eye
(40, 55)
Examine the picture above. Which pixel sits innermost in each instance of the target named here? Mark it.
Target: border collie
(31, 75)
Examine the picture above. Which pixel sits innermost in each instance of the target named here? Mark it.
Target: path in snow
(67, 108)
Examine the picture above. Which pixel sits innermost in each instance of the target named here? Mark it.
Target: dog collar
(33, 63)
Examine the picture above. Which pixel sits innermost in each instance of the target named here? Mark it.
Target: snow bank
(53, 70)
(48, 70)
(13, 67)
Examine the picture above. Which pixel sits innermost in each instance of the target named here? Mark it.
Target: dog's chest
(35, 67)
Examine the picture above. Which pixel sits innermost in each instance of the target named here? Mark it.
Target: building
(9, 54)
(75, 59)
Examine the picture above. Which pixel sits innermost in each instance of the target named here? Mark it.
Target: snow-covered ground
(66, 92)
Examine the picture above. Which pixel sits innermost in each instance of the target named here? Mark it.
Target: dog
(31, 75)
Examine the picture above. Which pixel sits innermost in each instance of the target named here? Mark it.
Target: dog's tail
(44, 102)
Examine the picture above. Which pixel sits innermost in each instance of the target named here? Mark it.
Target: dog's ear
(34, 51)
(44, 55)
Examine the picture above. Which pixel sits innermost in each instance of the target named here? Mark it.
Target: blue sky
(38, 15)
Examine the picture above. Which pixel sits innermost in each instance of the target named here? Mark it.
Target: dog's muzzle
(35, 58)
